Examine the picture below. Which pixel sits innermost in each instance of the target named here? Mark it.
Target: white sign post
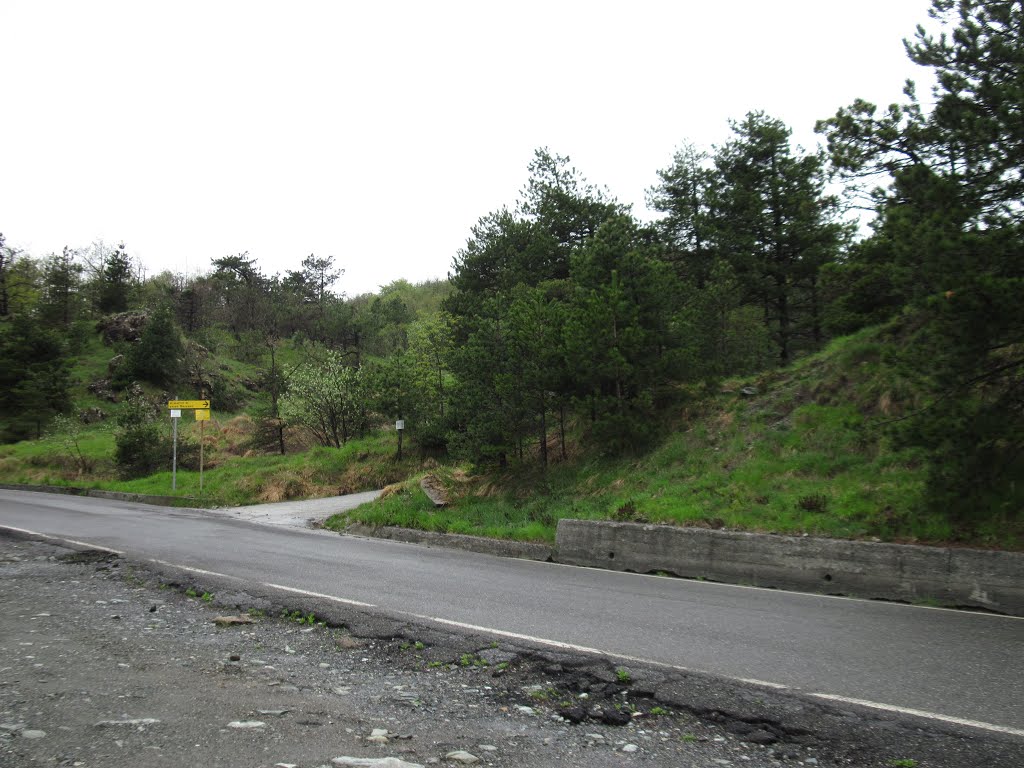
(201, 408)
(400, 428)
(202, 416)
(175, 415)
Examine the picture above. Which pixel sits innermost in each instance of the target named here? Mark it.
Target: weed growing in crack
(133, 578)
(299, 618)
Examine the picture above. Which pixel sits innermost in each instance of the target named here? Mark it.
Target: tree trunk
(561, 428)
(440, 385)
(543, 433)
(782, 305)
(815, 311)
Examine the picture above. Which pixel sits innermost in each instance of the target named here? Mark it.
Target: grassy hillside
(801, 450)
(231, 369)
(234, 473)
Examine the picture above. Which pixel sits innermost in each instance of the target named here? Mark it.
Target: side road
(109, 663)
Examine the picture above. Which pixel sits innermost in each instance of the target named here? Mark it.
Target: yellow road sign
(189, 404)
(202, 414)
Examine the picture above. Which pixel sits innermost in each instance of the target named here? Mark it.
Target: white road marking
(297, 591)
(779, 686)
(190, 569)
(765, 683)
(514, 635)
(922, 713)
(58, 538)
(593, 651)
(582, 648)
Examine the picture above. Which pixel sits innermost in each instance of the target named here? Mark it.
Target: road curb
(498, 547)
(71, 490)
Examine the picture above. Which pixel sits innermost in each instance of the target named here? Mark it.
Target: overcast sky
(378, 133)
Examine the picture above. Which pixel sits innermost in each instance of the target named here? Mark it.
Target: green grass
(228, 479)
(807, 454)
(359, 465)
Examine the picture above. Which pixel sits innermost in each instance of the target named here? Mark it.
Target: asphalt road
(951, 664)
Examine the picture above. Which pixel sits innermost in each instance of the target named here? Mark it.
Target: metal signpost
(202, 416)
(400, 427)
(202, 411)
(175, 415)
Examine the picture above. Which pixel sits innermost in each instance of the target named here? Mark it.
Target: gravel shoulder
(104, 662)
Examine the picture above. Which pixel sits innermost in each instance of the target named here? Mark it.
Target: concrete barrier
(953, 577)
(70, 490)
(499, 547)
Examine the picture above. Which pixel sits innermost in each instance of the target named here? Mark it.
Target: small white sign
(175, 414)
(400, 424)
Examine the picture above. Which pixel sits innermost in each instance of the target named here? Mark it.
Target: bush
(140, 450)
(142, 444)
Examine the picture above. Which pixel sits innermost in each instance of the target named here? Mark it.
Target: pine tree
(952, 224)
(60, 302)
(115, 282)
(158, 356)
(776, 227)
(34, 378)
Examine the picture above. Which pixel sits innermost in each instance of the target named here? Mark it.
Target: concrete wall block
(960, 577)
(498, 547)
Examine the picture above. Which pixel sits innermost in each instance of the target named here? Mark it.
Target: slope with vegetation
(745, 360)
(807, 449)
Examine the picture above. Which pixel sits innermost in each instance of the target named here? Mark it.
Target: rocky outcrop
(124, 326)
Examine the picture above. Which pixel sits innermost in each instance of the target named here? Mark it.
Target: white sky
(379, 133)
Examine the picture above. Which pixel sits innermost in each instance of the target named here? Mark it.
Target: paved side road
(297, 514)
(106, 663)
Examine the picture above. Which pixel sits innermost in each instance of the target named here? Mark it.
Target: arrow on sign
(189, 404)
